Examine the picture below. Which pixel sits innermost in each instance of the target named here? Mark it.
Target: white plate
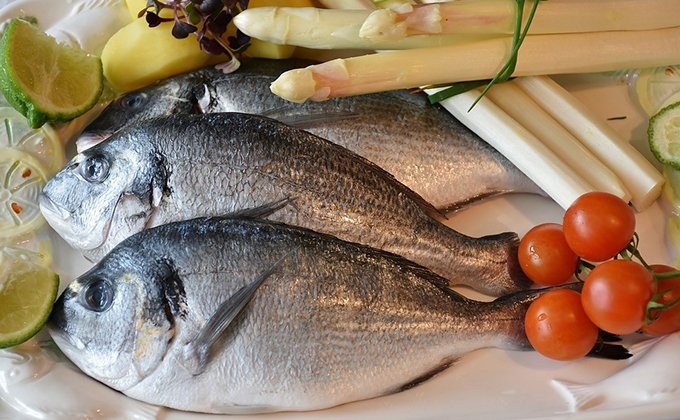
(486, 384)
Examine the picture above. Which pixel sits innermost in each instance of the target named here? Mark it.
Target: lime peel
(664, 135)
(27, 294)
(45, 80)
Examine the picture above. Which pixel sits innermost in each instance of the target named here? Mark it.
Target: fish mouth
(90, 139)
(51, 210)
(59, 219)
(57, 325)
(57, 320)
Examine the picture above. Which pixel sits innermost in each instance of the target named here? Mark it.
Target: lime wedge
(22, 178)
(45, 80)
(27, 293)
(43, 143)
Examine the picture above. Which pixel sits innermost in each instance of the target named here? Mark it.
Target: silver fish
(186, 166)
(233, 315)
(422, 145)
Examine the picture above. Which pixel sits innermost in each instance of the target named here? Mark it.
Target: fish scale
(394, 321)
(215, 164)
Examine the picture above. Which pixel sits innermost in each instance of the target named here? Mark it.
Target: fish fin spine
(263, 211)
(200, 349)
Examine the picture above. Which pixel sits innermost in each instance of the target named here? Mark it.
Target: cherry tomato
(545, 256)
(615, 295)
(598, 225)
(669, 321)
(558, 327)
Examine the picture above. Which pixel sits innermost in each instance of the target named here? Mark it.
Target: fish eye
(99, 295)
(95, 168)
(132, 100)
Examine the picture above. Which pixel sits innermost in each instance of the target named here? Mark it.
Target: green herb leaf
(505, 73)
(455, 89)
(194, 17)
(206, 19)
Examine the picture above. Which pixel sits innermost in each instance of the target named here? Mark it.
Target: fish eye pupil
(99, 295)
(96, 169)
(133, 101)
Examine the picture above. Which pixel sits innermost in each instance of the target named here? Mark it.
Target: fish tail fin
(508, 313)
(488, 264)
(580, 397)
(510, 310)
(502, 271)
(511, 277)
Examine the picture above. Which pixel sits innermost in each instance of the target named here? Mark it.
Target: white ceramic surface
(486, 384)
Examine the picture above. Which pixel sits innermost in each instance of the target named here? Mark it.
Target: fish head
(112, 322)
(170, 96)
(80, 201)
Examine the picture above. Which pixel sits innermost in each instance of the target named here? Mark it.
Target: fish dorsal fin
(263, 211)
(198, 351)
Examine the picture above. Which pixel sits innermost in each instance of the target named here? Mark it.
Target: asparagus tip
(297, 86)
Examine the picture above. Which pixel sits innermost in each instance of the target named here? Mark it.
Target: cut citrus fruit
(654, 86)
(43, 143)
(22, 178)
(44, 80)
(664, 135)
(27, 293)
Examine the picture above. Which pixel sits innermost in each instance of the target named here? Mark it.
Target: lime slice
(654, 86)
(43, 144)
(27, 293)
(45, 80)
(22, 178)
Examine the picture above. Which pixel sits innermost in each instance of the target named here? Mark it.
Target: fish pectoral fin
(198, 351)
(312, 120)
(263, 211)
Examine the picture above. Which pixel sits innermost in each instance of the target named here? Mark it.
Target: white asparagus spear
(517, 144)
(329, 29)
(539, 54)
(552, 17)
(639, 176)
(348, 4)
(384, 29)
(518, 105)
